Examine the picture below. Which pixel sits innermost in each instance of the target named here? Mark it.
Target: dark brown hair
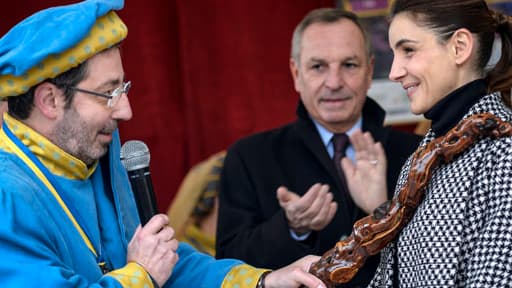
(445, 17)
(21, 106)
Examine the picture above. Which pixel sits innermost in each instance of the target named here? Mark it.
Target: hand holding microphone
(157, 257)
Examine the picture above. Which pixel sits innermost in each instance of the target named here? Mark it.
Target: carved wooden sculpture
(372, 233)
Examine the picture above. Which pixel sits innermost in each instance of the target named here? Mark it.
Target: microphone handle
(142, 187)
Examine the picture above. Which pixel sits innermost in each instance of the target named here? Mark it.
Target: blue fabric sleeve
(195, 269)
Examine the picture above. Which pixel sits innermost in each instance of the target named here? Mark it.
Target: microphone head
(135, 155)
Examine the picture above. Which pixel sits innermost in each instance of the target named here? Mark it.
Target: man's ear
(371, 65)
(463, 44)
(294, 70)
(48, 99)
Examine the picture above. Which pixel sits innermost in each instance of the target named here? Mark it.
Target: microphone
(135, 158)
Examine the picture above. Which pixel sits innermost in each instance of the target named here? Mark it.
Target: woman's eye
(408, 50)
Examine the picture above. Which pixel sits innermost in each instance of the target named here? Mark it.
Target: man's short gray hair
(325, 15)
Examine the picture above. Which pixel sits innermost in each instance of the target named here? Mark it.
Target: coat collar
(449, 111)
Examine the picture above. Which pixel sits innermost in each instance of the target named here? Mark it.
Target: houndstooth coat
(461, 234)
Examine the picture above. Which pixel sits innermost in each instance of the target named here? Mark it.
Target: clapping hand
(366, 177)
(311, 212)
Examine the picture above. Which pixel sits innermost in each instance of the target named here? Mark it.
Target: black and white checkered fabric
(461, 234)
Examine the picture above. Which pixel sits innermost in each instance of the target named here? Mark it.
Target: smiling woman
(418, 58)
(459, 235)
(449, 222)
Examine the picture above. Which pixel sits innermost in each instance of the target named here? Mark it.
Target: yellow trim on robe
(54, 158)
(132, 275)
(242, 276)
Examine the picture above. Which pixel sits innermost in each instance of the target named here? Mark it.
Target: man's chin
(96, 155)
(103, 150)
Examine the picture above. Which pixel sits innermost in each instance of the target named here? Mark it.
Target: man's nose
(122, 110)
(334, 80)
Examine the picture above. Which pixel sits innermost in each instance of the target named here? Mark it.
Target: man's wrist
(155, 284)
(261, 281)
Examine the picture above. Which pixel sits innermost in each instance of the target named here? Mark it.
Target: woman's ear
(48, 99)
(462, 42)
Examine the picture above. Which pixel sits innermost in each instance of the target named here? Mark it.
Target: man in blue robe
(68, 215)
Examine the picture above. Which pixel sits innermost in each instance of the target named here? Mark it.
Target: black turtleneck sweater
(449, 111)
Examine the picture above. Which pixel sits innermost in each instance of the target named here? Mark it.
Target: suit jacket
(253, 227)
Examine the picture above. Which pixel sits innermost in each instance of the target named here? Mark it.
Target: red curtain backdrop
(204, 74)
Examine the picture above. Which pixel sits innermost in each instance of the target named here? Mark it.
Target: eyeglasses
(113, 98)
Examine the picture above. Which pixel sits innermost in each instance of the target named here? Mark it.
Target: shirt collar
(326, 135)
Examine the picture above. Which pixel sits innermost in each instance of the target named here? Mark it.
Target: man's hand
(311, 212)
(366, 178)
(294, 275)
(154, 248)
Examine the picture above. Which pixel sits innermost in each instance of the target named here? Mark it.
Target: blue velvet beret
(49, 34)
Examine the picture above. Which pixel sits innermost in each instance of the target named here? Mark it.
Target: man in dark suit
(281, 195)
